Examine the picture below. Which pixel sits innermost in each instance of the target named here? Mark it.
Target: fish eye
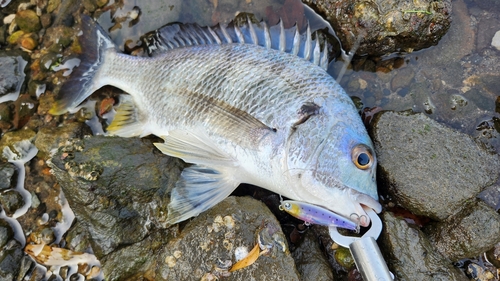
(287, 206)
(362, 157)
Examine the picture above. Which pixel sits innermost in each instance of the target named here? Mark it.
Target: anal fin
(199, 189)
(126, 122)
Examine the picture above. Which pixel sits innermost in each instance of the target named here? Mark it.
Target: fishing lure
(312, 214)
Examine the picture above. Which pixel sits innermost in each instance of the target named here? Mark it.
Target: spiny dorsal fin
(276, 37)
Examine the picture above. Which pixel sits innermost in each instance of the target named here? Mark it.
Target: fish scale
(235, 105)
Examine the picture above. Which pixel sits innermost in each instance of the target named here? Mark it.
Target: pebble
(495, 42)
(28, 21)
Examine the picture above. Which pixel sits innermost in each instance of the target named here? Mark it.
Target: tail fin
(94, 42)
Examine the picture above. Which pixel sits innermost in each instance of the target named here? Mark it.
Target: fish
(313, 214)
(242, 104)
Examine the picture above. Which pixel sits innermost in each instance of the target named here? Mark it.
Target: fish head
(333, 163)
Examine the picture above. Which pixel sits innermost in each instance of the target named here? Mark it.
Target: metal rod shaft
(369, 260)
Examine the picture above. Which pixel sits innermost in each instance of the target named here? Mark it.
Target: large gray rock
(386, 26)
(430, 169)
(411, 256)
(206, 246)
(116, 187)
(467, 234)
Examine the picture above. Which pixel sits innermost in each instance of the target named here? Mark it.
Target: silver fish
(245, 104)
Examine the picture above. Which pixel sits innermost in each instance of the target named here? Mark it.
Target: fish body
(263, 113)
(316, 215)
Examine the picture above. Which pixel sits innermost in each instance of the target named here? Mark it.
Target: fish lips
(363, 202)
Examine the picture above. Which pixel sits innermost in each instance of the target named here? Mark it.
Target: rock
(495, 42)
(15, 37)
(387, 26)
(430, 169)
(56, 37)
(5, 112)
(25, 107)
(6, 174)
(90, 5)
(402, 78)
(28, 21)
(468, 233)
(11, 200)
(137, 261)
(53, 4)
(29, 41)
(116, 187)
(491, 196)
(49, 138)
(12, 137)
(64, 14)
(12, 75)
(11, 253)
(310, 260)
(206, 246)
(46, 20)
(3, 35)
(410, 255)
(344, 257)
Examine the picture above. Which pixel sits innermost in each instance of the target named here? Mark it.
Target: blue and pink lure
(313, 214)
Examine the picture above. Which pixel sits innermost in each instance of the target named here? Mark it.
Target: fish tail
(95, 43)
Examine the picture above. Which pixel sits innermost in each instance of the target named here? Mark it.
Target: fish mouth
(363, 202)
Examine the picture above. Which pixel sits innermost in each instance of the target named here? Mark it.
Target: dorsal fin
(275, 37)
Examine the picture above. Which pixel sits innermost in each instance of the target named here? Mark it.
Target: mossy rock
(28, 21)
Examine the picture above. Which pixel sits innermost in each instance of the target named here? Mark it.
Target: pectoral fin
(195, 148)
(199, 189)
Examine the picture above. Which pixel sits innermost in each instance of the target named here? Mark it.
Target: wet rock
(28, 21)
(116, 187)
(90, 5)
(49, 138)
(15, 37)
(55, 38)
(11, 200)
(430, 169)
(137, 261)
(207, 244)
(46, 20)
(402, 78)
(29, 41)
(52, 5)
(66, 9)
(310, 260)
(410, 255)
(11, 253)
(25, 107)
(344, 257)
(468, 233)
(10, 138)
(6, 175)
(387, 26)
(12, 75)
